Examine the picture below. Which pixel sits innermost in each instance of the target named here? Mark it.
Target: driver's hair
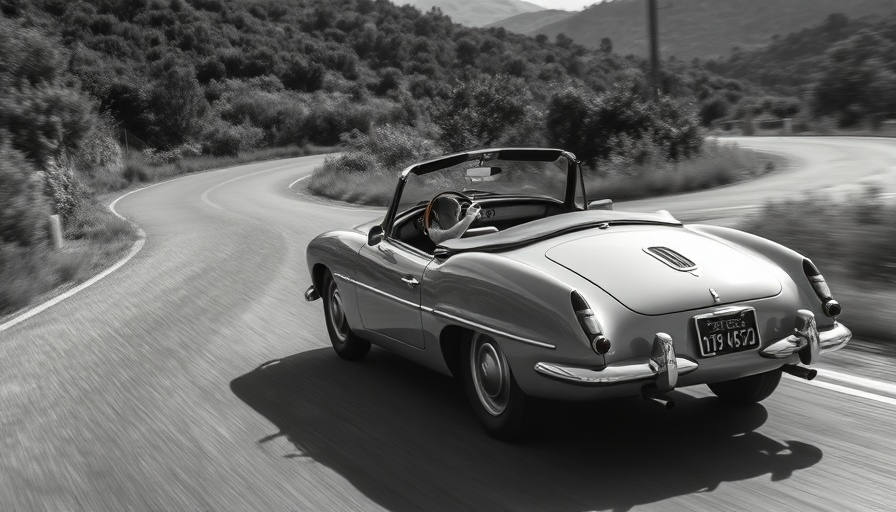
(447, 210)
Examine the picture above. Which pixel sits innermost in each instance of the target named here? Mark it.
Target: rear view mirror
(601, 204)
(483, 173)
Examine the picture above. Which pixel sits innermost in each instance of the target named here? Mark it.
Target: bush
(63, 188)
(23, 207)
(481, 111)
(595, 127)
(365, 172)
(225, 139)
(714, 108)
(99, 152)
(329, 117)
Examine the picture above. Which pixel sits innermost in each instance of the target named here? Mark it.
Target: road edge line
(847, 390)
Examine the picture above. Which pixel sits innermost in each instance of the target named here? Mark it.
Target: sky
(566, 5)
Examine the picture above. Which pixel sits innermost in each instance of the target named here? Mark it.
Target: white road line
(209, 202)
(298, 180)
(848, 391)
(884, 387)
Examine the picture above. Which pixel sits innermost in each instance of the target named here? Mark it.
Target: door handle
(410, 281)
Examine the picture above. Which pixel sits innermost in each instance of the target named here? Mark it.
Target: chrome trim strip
(378, 291)
(494, 331)
(612, 374)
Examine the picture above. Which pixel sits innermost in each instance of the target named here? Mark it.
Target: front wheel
(500, 405)
(345, 342)
(747, 390)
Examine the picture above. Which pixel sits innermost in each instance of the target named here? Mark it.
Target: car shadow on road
(405, 437)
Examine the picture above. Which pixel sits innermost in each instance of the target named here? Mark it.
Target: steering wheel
(427, 215)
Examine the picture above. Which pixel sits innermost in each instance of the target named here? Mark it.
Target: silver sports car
(548, 296)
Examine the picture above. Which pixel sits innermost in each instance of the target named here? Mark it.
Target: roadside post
(56, 231)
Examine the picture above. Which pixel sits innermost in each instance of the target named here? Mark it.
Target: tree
(606, 45)
(481, 111)
(563, 41)
(176, 104)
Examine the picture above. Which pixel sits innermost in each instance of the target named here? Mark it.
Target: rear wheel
(747, 390)
(498, 402)
(345, 342)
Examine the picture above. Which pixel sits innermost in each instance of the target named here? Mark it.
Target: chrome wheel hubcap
(490, 374)
(337, 313)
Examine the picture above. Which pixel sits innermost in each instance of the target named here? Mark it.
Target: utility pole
(654, 50)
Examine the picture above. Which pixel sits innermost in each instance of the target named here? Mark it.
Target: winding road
(149, 390)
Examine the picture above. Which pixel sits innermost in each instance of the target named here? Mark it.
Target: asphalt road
(146, 391)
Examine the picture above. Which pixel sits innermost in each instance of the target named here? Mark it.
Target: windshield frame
(573, 178)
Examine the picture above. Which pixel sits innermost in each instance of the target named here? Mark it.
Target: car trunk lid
(660, 271)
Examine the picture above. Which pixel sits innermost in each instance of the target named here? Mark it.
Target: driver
(447, 222)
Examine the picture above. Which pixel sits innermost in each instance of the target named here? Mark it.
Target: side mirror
(375, 235)
(601, 204)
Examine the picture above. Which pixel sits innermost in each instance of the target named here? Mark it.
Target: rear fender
(337, 251)
(527, 311)
(788, 260)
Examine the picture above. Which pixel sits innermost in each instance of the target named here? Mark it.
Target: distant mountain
(531, 22)
(702, 28)
(475, 13)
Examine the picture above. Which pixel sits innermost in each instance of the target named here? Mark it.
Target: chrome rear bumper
(663, 367)
(808, 341)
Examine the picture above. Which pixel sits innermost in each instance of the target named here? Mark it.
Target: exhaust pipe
(799, 371)
(655, 396)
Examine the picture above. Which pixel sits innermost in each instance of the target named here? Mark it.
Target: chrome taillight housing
(830, 306)
(588, 321)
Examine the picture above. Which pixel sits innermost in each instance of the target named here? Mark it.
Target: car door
(389, 276)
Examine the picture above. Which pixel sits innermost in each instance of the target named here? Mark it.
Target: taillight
(830, 306)
(587, 319)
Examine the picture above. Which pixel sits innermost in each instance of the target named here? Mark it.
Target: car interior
(498, 214)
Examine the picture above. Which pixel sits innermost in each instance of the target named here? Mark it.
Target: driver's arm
(439, 235)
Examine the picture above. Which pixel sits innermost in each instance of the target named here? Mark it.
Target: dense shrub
(23, 206)
(714, 108)
(63, 188)
(365, 171)
(594, 127)
(99, 152)
(480, 112)
(225, 139)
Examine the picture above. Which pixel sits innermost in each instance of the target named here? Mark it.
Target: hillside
(475, 13)
(222, 77)
(703, 28)
(531, 22)
(845, 69)
(794, 60)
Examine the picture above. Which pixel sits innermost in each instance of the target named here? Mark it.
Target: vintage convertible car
(548, 296)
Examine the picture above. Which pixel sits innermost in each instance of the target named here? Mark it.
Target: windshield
(516, 178)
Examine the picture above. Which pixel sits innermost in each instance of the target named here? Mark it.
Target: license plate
(727, 331)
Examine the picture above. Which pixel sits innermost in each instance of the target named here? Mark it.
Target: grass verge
(720, 163)
(356, 177)
(852, 246)
(94, 240)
